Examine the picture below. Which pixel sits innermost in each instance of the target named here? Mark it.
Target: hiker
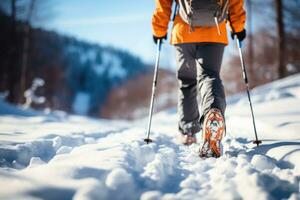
(199, 52)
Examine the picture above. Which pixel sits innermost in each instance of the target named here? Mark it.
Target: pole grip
(159, 44)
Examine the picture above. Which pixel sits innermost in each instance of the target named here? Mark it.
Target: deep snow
(71, 157)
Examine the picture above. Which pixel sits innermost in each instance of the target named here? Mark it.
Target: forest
(71, 69)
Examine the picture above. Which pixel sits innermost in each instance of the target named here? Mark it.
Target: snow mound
(36, 161)
(119, 179)
(151, 195)
(64, 150)
(262, 162)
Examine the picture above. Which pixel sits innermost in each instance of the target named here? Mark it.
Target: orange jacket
(181, 31)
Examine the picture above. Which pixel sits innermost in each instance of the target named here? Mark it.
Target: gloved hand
(240, 35)
(155, 39)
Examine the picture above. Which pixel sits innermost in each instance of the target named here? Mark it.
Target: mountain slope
(72, 69)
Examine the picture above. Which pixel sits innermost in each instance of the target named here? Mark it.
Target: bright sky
(119, 23)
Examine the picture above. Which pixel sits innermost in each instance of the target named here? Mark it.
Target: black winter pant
(200, 86)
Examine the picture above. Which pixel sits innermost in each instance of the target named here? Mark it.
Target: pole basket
(148, 140)
(257, 142)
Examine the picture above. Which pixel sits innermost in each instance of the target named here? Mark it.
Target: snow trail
(71, 157)
(119, 165)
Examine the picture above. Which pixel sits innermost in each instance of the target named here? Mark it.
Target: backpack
(203, 12)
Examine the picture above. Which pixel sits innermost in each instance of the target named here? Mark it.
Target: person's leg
(212, 97)
(211, 90)
(187, 96)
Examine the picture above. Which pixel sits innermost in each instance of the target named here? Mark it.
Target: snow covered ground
(71, 157)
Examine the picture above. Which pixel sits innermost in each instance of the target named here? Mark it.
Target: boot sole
(213, 140)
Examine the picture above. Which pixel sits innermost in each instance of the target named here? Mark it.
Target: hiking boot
(213, 130)
(188, 139)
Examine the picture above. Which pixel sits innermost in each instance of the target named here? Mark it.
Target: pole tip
(257, 142)
(148, 140)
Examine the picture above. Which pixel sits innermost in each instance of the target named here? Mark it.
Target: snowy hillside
(80, 158)
(79, 75)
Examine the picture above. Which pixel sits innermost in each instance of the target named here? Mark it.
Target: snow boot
(213, 130)
(188, 139)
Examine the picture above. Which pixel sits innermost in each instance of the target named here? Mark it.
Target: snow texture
(81, 158)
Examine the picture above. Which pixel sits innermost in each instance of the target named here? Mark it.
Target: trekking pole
(239, 45)
(148, 140)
